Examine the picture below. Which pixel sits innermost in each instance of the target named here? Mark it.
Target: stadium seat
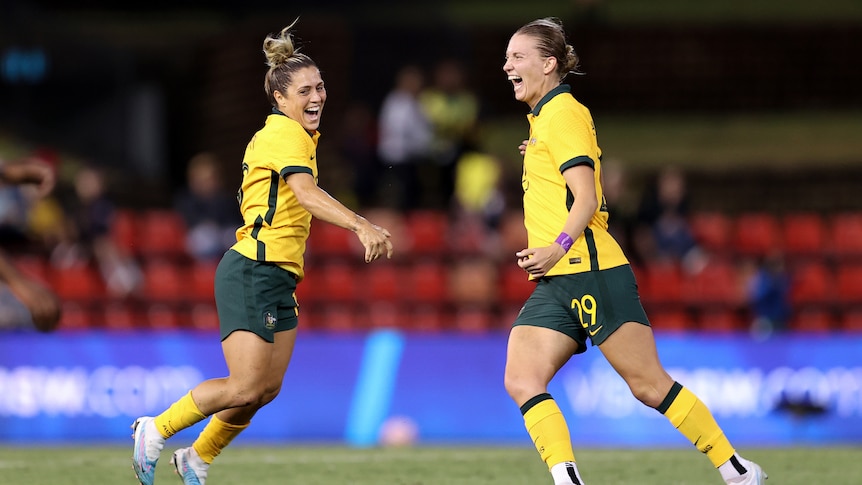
(161, 316)
(674, 320)
(338, 319)
(662, 285)
(716, 284)
(804, 234)
(811, 284)
(201, 283)
(203, 316)
(720, 321)
(427, 318)
(712, 230)
(124, 230)
(164, 281)
(426, 282)
(756, 233)
(160, 233)
(473, 281)
(385, 314)
(383, 282)
(812, 320)
(327, 241)
(515, 284)
(472, 319)
(846, 235)
(427, 232)
(849, 283)
(120, 316)
(338, 281)
(77, 316)
(851, 321)
(78, 283)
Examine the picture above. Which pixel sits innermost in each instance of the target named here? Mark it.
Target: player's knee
(646, 393)
(519, 388)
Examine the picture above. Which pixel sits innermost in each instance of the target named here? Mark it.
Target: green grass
(314, 465)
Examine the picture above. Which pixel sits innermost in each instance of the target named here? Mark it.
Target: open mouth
(313, 113)
(515, 80)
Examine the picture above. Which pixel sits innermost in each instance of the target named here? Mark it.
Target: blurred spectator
(479, 202)
(663, 231)
(453, 111)
(769, 296)
(88, 238)
(358, 148)
(211, 214)
(622, 206)
(24, 302)
(404, 138)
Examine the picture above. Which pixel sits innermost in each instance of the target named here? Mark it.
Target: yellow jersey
(563, 135)
(275, 226)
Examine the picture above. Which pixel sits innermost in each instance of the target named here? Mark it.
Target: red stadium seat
(427, 318)
(515, 284)
(662, 285)
(813, 320)
(124, 229)
(812, 284)
(164, 281)
(849, 283)
(204, 316)
(339, 318)
(851, 321)
(385, 314)
(473, 320)
(846, 235)
(426, 282)
(34, 266)
(202, 280)
(163, 317)
(328, 241)
(383, 282)
(160, 233)
(717, 283)
(338, 281)
(720, 321)
(712, 230)
(121, 316)
(804, 233)
(77, 316)
(473, 281)
(756, 233)
(78, 283)
(428, 232)
(671, 321)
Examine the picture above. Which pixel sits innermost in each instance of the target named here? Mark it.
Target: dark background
(141, 88)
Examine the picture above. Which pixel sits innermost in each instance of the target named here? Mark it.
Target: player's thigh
(537, 353)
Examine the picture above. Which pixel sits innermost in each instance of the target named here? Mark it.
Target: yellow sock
(179, 416)
(215, 437)
(692, 418)
(547, 427)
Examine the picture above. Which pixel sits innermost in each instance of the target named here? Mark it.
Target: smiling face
(531, 74)
(303, 99)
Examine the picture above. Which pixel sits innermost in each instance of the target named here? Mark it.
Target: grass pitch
(313, 465)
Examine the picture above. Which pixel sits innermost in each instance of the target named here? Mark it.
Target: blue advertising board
(89, 387)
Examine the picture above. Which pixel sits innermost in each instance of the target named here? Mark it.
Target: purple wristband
(565, 241)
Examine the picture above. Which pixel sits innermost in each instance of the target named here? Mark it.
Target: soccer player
(257, 277)
(585, 288)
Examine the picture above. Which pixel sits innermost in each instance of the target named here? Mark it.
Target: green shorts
(585, 305)
(254, 296)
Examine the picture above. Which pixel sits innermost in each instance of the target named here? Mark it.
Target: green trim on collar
(562, 88)
(276, 111)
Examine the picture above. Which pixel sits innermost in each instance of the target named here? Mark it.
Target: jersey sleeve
(574, 141)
